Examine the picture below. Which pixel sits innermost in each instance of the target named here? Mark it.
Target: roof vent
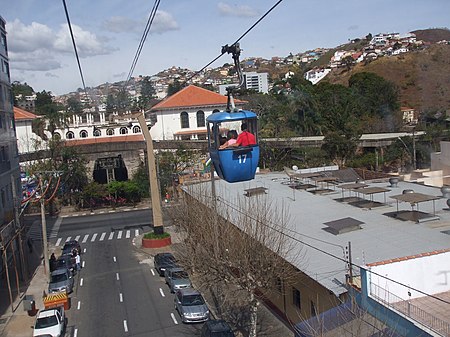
(255, 191)
(343, 225)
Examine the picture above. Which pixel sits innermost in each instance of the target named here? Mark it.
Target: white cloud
(163, 22)
(121, 24)
(240, 11)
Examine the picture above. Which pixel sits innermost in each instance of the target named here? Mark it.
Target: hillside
(423, 76)
(433, 35)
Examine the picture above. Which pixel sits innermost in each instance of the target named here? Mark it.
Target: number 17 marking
(242, 158)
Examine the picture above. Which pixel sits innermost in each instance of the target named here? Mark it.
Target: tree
(174, 87)
(247, 255)
(147, 93)
(74, 106)
(21, 90)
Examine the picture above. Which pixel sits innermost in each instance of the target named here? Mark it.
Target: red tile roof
(192, 96)
(410, 257)
(20, 114)
(110, 139)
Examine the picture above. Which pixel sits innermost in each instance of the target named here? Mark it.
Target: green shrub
(152, 235)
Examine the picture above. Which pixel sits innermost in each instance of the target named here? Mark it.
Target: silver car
(191, 306)
(176, 279)
(60, 280)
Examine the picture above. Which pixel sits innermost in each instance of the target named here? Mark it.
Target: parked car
(66, 262)
(163, 261)
(50, 322)
(216, 328)
(177, 278)
(69, 246)
(191, 306)
(60, 280)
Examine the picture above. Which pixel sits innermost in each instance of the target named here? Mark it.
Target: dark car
(65, 262)
(216, 328)
(163, 261)
(69, 246)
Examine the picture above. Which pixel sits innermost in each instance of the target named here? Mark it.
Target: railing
(410, 310)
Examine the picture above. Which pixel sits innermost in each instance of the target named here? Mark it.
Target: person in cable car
(245, 138)
(232, 137)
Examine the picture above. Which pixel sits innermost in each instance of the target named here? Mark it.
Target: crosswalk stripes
(99, 237)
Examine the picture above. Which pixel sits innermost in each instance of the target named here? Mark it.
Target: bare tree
(243, 246)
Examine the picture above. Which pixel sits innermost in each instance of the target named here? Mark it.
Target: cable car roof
(224, 116)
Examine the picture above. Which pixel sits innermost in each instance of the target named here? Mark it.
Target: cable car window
(70, 135)
(200, 119)
(184, 118)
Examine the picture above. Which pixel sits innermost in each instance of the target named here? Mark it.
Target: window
(110, 132)
(136, 129)
(97, 132)
(296, 299)
(123, 131)
(70, 135)
(84, 119)
(4, 44)
(313, 309)
(200, 119)
(96, 118)
(279, 285)
(184, 118)
(83, 134)
(56, 135)
(215, 110)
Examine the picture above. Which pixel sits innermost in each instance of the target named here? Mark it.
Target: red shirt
(246, 138)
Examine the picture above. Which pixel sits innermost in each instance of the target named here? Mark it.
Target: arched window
(184, 118)
(56, 135)
(123, 131)
(70, 135)
(97, 132)
(83, 134)
(110, 132)
(200, 119)
(215, 110)
(136, 129)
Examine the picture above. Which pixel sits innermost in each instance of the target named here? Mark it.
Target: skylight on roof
(343, 225)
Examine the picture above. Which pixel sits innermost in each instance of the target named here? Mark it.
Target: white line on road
(77, 237)
(119, 235)
(111, 235)
(114, 259)
(83, 214)
(79, 305)
(82, 266)
(102, 236)
(120, 297)
(111, 211)
(136, 232)
(173, 318)
(153, 273)
(162, 292)
(94, 237)
(68, 239)
(58, 242)
(127, 236)
(84, 250)
(125, 326)
(75, 333)
(101, 212)
(117, 276)
(81, 282)
(75, 214)
(85, 238)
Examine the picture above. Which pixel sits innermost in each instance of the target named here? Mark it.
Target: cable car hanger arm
(235, 50)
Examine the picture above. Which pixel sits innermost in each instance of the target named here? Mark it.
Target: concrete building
(350, 237)
(256, 81)
(27, 140)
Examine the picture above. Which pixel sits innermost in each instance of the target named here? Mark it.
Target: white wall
(27, 140)
(430, 274)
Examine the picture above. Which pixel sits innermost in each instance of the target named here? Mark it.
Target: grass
(152, 235)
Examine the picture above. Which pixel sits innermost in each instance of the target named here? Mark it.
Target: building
(316, 75)
(27, 140)
(10, 187)
(256, 81)
(350, 234)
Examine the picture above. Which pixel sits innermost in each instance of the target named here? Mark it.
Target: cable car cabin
(233, 163)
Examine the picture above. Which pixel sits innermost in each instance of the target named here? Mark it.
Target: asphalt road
(117, 292)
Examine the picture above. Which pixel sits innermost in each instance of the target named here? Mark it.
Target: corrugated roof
(20, 114)
(192, 96)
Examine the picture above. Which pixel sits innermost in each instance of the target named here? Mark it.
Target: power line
(74, 45)
(148, 25)
(239, 39)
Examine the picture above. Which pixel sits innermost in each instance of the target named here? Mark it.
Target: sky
(187, 33)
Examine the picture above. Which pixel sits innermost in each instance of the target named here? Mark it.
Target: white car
(50, 322)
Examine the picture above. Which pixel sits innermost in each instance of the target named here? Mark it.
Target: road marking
(58, 242)
(81, 282)
(83, 214)
(125, 326)
(68, 239)
(101, 212)
(120, 297)
(79, 305)
(117, 276)
(75, 215)
(111, 235)
(162, 292)
(119, 235)
(85, 238)
(75, 333)
(114, 259)
(94, 237)
(84, 250)
(102, 236)
(173, 318)
(153, 273)
(136, 232)
(82, 266)
(111, 211)
(127, 236)
(77, 237)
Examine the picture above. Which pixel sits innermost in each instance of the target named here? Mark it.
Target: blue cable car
(233, 164)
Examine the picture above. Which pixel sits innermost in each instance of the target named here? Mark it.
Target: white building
(256, 81)
(315, 75)
(27, 140)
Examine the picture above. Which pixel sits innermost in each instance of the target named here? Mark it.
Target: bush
(152, 235)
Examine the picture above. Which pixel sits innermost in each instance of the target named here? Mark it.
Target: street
(117, 292)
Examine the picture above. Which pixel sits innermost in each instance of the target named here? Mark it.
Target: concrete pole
(158, 227)
(44, 230)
